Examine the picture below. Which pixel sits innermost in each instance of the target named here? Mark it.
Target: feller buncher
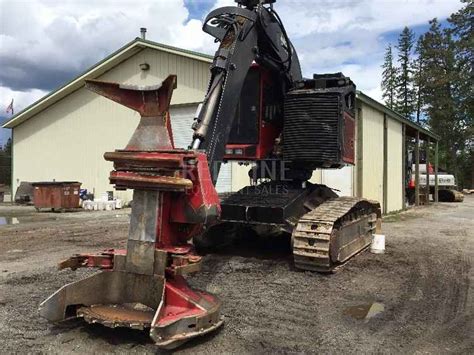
(259, 109)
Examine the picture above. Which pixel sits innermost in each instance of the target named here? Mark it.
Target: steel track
(329, 235)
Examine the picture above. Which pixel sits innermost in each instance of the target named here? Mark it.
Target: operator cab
(258, 118)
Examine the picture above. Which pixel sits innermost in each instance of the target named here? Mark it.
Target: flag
(10, 108)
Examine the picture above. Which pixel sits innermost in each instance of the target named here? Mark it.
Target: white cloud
(45, 43)
(330, 16)
(345, 35)
(21, 99)
(58, 38)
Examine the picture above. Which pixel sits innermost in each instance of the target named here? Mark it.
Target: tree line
(5, 163)
(430, 80)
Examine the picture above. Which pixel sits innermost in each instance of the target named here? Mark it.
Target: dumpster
(56, 195)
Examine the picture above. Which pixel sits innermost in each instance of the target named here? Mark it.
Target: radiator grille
(311, 129)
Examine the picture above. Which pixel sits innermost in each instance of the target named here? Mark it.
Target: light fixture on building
(144, 66)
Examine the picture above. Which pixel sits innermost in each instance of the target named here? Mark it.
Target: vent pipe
(143, 32)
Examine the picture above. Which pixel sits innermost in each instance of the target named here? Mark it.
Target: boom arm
(254, 33)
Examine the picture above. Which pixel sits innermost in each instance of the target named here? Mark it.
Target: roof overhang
(97, 70)
(395, 115)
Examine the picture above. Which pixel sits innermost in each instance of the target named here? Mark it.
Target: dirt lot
(425, 282)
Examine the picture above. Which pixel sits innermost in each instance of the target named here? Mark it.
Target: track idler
(174, 199)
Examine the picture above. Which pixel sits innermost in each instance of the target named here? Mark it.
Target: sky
(45, 43)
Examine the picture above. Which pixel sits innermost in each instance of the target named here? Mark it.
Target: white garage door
(181, 121)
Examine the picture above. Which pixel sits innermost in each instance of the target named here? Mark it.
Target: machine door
(245, 126)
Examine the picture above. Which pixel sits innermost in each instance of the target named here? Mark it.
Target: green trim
(138, 43)
(12, 192)
(436, 190)
(417, 169)
(393, 114)
(385, 164)
(359, 153)
(404, 169)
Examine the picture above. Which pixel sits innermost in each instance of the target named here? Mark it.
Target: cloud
(44, 43)
(21, 99)
(348, 35)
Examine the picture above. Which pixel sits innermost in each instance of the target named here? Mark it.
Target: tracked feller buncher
(258, 109)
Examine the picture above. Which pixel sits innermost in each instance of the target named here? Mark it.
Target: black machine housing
(311, 126)
(316, 130)
(319, 122)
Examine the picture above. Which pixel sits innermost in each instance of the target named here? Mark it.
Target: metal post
(417, 169)
(404, 168)
(436, 173)
(385, 165)
(359, 148)
(427, 153)
(12, 175)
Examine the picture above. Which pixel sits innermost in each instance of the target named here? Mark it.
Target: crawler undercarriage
(326, 230)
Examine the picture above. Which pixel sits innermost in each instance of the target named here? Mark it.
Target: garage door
(181, 121)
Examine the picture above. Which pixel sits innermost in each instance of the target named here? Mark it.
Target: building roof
(395, 115)
(128, 50)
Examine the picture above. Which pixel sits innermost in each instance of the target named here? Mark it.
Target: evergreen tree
(439, 85)
(441, 81)
(5, 163)
(389, 78)
(419, 79)
(462, 30)
(404, 81)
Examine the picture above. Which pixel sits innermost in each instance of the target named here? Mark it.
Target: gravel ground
(424, 281)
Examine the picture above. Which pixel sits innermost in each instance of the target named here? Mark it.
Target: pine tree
(5, 163)
(404, 81)
(388, 78)
(441, 79)
(462, 30)
(419, 79)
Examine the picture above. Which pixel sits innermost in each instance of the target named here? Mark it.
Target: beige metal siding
(240, 177)
(67, 140)
(317, 177)
(394, 165)
(192, 75)
(372, 152)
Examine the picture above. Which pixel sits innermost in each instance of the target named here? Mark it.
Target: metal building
(64, 135)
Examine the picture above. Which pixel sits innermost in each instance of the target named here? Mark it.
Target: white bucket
(378, 244)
